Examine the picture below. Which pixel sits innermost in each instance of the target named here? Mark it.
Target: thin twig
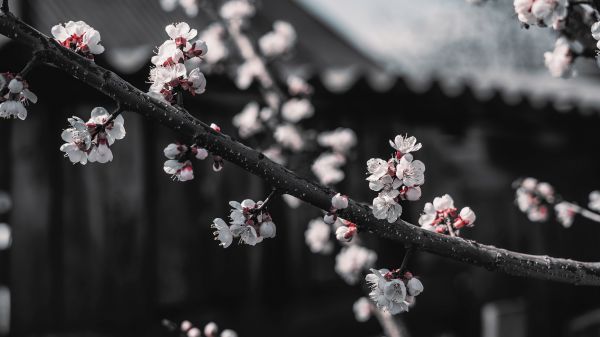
(405, 260)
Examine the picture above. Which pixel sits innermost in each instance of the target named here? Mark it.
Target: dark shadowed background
(112, 249)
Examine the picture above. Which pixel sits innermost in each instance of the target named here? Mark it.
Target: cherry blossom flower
(442, 217)
(296, 110)
(386, 207)
(214, 36)
(317, 237)
(327, 168)
(352, 260)
(541, 12)
(565, 213)
(289, 137)
(298, 86)
(362, 309)
(5, 236)
(594, 203)
(340, 140)
(249, 221)
(559, 61)
(248, 121)
(179, 164)
(222, 233)
(405, 145)
(346, 232)
(78, 141)
(392, 291)
(534, 198)
(278, 41)
(18, 96)
(193, 332)
(211, 329)
(236, 10)
(248, 71)
(189, 6)
(181, 33)
(79, 37)
(410, 172)
(339, 201)
(229, 333)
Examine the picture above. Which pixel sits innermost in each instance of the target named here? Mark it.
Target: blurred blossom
(5, 236)
(5, 202)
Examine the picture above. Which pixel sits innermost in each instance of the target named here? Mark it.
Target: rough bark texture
(131, 99)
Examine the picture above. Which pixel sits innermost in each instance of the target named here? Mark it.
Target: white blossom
(295, 110)
(414, 287)
(377, 168)
(541, 12)
(250, 222)
(405, 144)
(248, 71)
(229, 333)
(466, 218)
(211, 329)
(214, 36)
(340, 140)
(410, 172)
(362, 309)
(236, 10)
(248, 120)
(594, 203)
(78, 141)
(317, 237)
(339, 201)
(289, 136)
(352, 260)
(298, 86)
(559, 61)
(388, 294)
(222, 233)
(565, 213)
(179, 170)
(18, 96)
(345, 233)
(386, 207)
(278, 41)
(181, 33)
(78, 36)
(327, 168)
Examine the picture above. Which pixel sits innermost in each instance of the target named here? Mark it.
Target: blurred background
(110, 250)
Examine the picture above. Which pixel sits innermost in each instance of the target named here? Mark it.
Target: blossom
(78, 36)
(248, 121)
(294, 110)
(345, 233)
(18, 96)
(222, 233)
(340, 140)
(565, 213)
(541, 12)
(168, 54)
(298, 86)
(386, 207)
(596, 32)
(250, 222)
(327, 168)
(594, 203)
(181, 33)
(78, 141)
(229, 333)
(559, 61)
(289, 136)
(362, 309)
(352, 260)
(405, 144)
(317, 236)
(214, 36)
(179, 164)
(211, 329)
(392, 291)
(189, 6)
(534, 198)
(236, 10)
(410, 172)
(278, 41)
(442, 217)
(248, 71)
(339, 201)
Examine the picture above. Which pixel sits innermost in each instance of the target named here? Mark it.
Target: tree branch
(286, 181)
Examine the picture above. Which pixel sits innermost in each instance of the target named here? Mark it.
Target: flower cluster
(317, 237)
(352, 261)
(442, 217)
(560, 61)
(249, 221)
(190, 7)
(338, 202)
(251, 119)
(534, 198)
(297, 109)
(15, 95)
(565, 213)
(393, 291)
(214, 36)
(542, 12)
(179, 164)
(237, 10)
(91, 141)
(79, 37)
(398, 178)
(327, 167)
(278, 41)
(177, 62)
(189, 330)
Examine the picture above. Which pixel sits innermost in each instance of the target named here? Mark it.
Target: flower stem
(30, 65)
(407, 255)
(273, 191)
